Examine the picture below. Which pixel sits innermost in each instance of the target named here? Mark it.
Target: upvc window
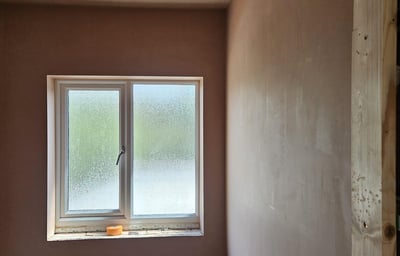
(124, 150)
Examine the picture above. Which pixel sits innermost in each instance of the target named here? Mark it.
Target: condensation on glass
(93, 143)
(164, 159)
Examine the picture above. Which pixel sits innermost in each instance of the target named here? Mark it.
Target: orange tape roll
(114, 230)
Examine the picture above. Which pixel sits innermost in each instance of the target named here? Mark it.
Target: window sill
(124, 235)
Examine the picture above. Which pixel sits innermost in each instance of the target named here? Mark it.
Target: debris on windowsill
(125, 234)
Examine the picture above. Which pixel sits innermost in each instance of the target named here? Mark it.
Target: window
(124, 150)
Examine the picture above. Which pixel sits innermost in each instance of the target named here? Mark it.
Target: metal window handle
(120, 154)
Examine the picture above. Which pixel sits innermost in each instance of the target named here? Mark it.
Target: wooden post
(373, 141)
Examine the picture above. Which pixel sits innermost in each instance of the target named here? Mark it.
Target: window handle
(120, 154)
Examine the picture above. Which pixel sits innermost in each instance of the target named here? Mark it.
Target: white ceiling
(143, 3)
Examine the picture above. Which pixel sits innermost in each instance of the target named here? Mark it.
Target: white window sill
(125, 234)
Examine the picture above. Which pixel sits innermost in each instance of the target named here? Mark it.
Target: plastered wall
(288, 128)
(39, 40)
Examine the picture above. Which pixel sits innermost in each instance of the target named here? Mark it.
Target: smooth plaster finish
(288, 128)
(37, 41)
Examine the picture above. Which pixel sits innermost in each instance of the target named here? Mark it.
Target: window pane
(93, 180)
(164, 177)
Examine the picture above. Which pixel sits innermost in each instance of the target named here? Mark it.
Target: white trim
(201, 154)
(125, 234)
(129, 148)
(124, 78)
(86, 221)
(51, 158)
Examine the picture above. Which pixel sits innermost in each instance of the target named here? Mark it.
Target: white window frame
(59, 220)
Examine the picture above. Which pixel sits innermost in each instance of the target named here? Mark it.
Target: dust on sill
(125, 234)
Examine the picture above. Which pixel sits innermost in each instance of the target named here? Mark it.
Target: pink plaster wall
(288, 128)
(39, 40)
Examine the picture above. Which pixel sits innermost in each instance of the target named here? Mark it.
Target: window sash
(97, 220)
(63, 87)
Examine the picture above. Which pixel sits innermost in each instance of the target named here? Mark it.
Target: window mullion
(129, 147)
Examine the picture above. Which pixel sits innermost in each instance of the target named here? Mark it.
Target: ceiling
(139, 3)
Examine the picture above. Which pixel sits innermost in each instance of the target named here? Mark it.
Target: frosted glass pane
(93, 177)
(164, 177)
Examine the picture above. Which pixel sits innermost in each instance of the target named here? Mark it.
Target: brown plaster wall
(39, 40)
(288, 128)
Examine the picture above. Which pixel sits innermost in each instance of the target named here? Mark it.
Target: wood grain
(373, 126)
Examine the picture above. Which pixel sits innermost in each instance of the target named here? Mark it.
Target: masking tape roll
(114, 230)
